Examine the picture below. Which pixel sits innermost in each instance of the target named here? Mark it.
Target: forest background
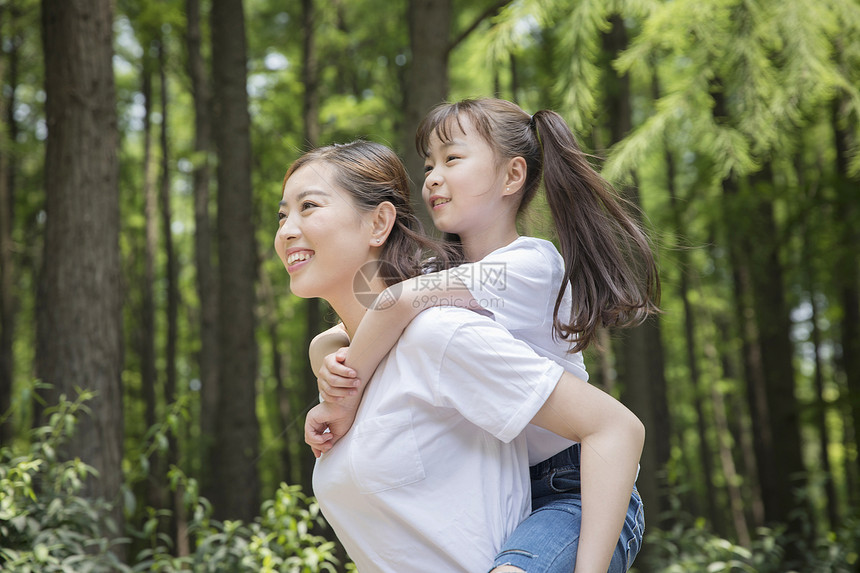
(153, 364)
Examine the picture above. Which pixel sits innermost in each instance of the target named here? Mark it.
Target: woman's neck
(351, 306)
(350, 314)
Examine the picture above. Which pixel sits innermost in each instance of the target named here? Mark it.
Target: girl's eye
(427, 170)
(452, 158)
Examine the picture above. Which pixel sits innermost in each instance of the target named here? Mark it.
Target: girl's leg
(547, 540)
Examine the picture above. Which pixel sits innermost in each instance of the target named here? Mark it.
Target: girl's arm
(326, 343)
(342, 374)
(612, 438)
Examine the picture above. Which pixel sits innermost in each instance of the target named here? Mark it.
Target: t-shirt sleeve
(516, 285)
(495, 381)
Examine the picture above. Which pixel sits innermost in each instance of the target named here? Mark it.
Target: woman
(434, 474)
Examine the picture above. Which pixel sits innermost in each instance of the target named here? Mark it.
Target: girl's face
(323, 238)
(463, 182)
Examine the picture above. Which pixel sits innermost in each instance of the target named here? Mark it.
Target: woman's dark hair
(372, 173)
(608, 262)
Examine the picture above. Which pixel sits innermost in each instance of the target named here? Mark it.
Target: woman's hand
(335, 380)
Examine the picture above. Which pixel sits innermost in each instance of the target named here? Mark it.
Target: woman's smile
(297, 258)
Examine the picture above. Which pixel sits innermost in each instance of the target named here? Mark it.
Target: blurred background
(153, 363)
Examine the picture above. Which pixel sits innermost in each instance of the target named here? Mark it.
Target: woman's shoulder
(441, 323)
(447, 318)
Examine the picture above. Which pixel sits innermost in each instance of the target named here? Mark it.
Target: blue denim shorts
(547, 540)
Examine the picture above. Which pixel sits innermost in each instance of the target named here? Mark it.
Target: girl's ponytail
(608, 262)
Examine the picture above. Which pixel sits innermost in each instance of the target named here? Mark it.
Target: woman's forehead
(315, 175)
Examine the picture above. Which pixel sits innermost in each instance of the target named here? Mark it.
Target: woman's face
(323, 238)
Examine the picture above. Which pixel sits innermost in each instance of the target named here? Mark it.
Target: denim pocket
(564, 480)
(384, 453)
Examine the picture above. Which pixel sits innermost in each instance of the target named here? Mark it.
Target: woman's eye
(307, 205)
(281, 215)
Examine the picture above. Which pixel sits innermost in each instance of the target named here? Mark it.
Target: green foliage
(45, 523)
(48, 524)
(690, 546)
(281, 539)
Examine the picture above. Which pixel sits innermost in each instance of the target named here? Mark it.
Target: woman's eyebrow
(304, 194)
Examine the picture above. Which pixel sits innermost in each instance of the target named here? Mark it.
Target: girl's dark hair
(372, 173)
(608, 262)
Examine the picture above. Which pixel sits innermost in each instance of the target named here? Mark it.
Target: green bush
(689, 546)
(280, 539)
(47, 526)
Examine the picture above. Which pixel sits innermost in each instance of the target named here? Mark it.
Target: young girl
(484, 161)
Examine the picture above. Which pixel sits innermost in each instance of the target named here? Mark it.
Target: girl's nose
(432, 180)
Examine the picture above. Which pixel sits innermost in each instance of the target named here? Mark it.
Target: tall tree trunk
(740, 426)
(736, 502)
(763, 320)
(846, 269)
(808, 257)
(426, 84)
(237, 430)
(763, 314)
(639, 352)
(148, 376)
(310, 76)
(7, 261)
(822, 408)
(705, 454)
(281, 405)
(206, 285)
(774, 326)
(173, 500)
(82, 283)
(146, 334)
(753, 371)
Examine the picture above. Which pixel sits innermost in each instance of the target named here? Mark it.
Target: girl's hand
(335, 380)
(325, 424)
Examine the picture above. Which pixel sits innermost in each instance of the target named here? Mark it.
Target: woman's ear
(382, 221)
(515, 176)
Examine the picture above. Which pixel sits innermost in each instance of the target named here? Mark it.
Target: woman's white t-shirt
(433, 475)
(517, 285)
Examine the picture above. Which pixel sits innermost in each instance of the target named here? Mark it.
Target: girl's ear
(515, 176)
(381, 223)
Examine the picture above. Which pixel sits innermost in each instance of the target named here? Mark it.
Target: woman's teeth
(296, 257)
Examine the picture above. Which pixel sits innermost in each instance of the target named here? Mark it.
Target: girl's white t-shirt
(517, 285)
(433, 475)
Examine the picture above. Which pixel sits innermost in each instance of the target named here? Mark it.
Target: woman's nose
(288, 230)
